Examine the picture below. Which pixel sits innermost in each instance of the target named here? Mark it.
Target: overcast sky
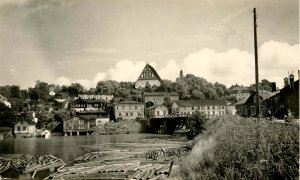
(65, 41)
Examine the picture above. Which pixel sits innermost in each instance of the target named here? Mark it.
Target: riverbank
(232, 147)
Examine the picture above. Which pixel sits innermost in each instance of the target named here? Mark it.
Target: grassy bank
(236, 148)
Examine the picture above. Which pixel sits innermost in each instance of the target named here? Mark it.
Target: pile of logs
(148, 159)
(26, 163)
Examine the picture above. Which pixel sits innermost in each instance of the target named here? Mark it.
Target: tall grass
(236, 148)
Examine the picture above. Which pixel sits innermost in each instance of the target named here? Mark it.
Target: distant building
(52, 93)
(93, 96)
(157, 98)
(5, 101)
(88, 105)
(208, 107)
(25, 128)
(239, 92)
(148, 76)
(129, 110)
(157, 111)
(78, 125)
(286, 101)
(247, 106)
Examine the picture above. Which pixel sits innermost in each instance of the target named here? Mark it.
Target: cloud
(235, 66)
(127, 70)
(229, 67)
(101, 50)
(87, 83)
(13, 2)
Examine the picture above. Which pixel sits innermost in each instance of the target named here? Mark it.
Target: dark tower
(181, 73)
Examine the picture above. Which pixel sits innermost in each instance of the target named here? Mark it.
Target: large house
(247, 106)
(78, 125)
(92, 96)
(88, 105)
(148, 76)
(286, 101)
(239, 92)
(157, 98)
(209, 107)
(128, 110)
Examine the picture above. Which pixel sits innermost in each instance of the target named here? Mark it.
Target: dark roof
(30, 122)
(161, 94)
(153, 70)
(187, 103)
(80, 117)
(287, 88)
(92, 111)
(153, 107)
(262, 93)
(128, 102)
(90, 101)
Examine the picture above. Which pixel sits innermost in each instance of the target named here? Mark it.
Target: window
(126, 114)
(208, 107)
(193, 108)
(24, 128)
(157, 113)
(220, 112)
(120, 114)
(135, 107)
(81, 126)
(213, 107)
(18, 128)
(223, 107)
(117, 107)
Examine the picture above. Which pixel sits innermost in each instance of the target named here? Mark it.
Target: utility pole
(256, 65)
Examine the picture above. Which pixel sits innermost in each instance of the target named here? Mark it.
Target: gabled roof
(262, 93)
(154, 107)
(148, 66)
(187, 103)
(128, 102)
(161, 94)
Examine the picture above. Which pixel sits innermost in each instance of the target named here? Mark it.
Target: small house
(158, 111)
(25, 128)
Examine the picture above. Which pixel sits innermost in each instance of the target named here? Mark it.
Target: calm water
(67, 148)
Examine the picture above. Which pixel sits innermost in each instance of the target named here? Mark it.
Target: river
(65, 147)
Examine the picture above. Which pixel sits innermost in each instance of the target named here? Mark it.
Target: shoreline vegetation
(233, 147)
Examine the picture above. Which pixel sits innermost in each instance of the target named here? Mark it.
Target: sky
(67, 41)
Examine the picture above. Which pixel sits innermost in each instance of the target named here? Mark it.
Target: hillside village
(72, 110)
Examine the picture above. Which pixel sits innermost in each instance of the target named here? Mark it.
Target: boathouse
(78, 125)
(25, 128)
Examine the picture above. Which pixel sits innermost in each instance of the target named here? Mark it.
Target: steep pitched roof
(148, 68)
(161, 94)
(187, 103)
(262, 93)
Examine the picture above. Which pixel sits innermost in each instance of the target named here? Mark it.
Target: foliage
(196, 124)
(238, 148)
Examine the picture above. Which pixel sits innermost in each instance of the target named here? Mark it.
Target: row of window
(207, 113)
(24, 128)
(147, 75)
(202, 108)
(86, 105)
(129, 114)
(127, 107)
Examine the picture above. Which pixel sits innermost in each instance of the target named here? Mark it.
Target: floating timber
(146, 159)
(27, 163)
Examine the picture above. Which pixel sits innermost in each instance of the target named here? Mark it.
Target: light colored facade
(105, 97)
(88, 105)
(209, 107)
(148, 76)
(129, 110)
(158, 97)
(158, 111)
(78, 124)
(25, 128)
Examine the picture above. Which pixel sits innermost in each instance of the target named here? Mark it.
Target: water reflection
(66, 148)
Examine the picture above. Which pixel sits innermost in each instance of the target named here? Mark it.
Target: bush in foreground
(238, 148)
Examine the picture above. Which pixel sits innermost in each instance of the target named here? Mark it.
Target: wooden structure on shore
(79, 125)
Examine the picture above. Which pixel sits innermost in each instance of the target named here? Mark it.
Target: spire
(181, 73)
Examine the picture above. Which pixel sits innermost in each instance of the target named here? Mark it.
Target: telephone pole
(256, 64)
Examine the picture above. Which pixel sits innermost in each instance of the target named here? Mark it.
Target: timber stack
(27, 163)
(147, 159)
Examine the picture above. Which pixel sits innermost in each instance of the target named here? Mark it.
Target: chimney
(291, 81)
(286, 81)
(273, 86)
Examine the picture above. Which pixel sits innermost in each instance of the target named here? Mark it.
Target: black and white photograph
(149, 89)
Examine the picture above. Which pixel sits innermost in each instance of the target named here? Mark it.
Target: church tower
(148, 76)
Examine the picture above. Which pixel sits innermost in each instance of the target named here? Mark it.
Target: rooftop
(186, 103)
(161, 94)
